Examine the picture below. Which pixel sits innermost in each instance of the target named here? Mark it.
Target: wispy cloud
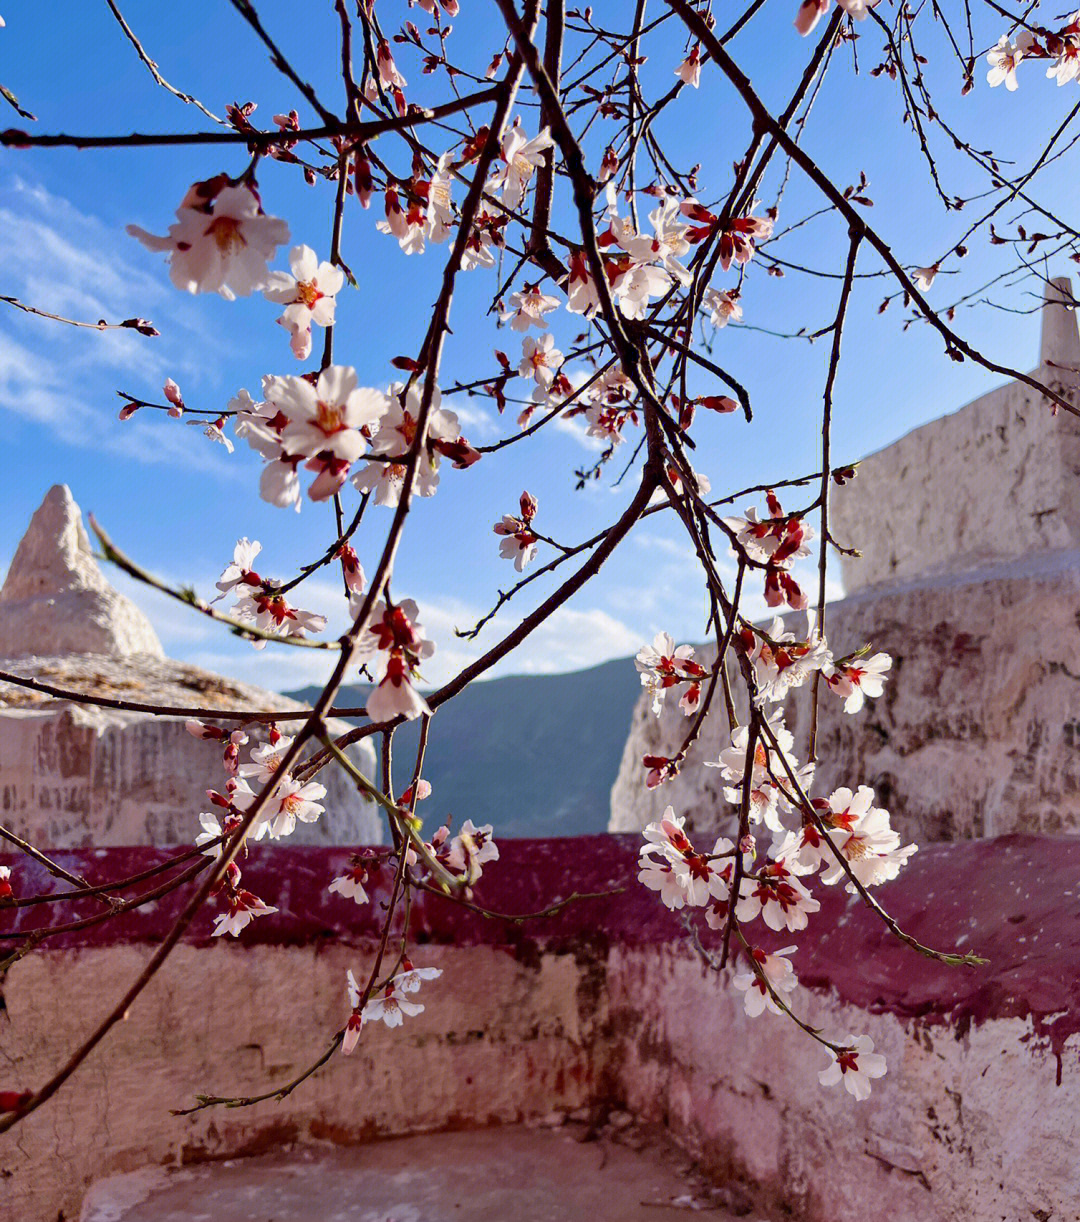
(68, 262)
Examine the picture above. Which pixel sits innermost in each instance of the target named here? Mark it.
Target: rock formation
(970, 578)
(55, 587)
(79, 775)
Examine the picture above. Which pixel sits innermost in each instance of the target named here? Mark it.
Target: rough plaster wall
(89, 776)
(993, 481)
(968, 1124)
(977, 733)
(513, 1042)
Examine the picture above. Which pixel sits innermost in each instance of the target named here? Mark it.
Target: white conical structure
(1060, 347)
(56, 601)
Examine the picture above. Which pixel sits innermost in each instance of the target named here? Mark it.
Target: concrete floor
(508, 1174)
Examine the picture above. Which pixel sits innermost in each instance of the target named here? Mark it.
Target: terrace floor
(507, 1174)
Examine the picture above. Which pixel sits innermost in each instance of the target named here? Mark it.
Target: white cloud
(571, 639)
(575, 427)
(59, 259)
(476, 422)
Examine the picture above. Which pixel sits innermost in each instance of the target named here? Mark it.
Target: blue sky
(178, 503)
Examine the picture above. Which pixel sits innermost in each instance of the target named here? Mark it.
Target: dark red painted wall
(1015, 900)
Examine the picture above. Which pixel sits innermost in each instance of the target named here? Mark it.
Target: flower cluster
(672, 866)
(465, 854)
(221, 241)
(324, 423)
(260, 602)
(390, 1006)
(1059, 48)
(664, 666)
(842, 838)
(774, 542)
(396, 638)
(383, 475)
(518, 541)
(241, 906)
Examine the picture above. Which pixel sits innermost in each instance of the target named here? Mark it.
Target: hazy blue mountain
(536, 755)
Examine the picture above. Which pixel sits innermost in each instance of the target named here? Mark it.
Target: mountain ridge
(534, 755)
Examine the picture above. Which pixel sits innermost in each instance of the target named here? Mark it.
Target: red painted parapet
(1005, 899)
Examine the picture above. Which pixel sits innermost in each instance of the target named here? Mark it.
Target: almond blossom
(581, 293)
(213, 430)
(350, 884)
(662, 667)
(271, 612)
(924, 277)
(637, 286)
(723, 306)
(660, 768)
(862, 834)
(778, 896)
(396, 636)
(668, 245)
(351, 568)
(528, 308)
(855, 1064)
(470, 850)
(356, 1021)
(519, 542)
(266, 759)
(689, 71)
(214, 832)
(1065, 66)
(410, 978)
(540, 359)
(308, 294)
(779, 538)
(770, 794)
(770, 973)
(738, 235)
(780, 661)
(774, 542)
(290, 801)
(811, 11)
(243, 906)
(390, 77)
(172, 392)
(408, 225)
(324, 422)
(669, 863)
(239, 570)
(221, 241)
(855, 678)
(1003, 60)
(394, 439)
(390, 1008)
(521, 157)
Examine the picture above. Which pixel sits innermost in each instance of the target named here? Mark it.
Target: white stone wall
(967, 1126)
(995, 480)
(514, 1044)
(977, 733)
(81, 776)
(970, 527)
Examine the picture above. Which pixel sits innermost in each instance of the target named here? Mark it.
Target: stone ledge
(603, 1002)
(992, 897)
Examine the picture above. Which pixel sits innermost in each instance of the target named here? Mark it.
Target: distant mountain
(535, 755)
